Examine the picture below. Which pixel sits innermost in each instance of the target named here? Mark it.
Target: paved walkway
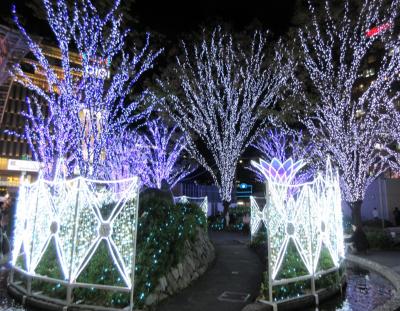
(236, 269)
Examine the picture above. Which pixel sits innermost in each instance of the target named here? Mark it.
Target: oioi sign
(96, 67)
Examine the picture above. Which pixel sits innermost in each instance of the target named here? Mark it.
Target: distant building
(15, 153)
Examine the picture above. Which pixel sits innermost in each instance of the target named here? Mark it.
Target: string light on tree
(162, 149)
(85, 109)
(225, 90)
(346, 122)
(125, 158)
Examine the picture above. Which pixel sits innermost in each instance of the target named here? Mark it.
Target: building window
(369, 72)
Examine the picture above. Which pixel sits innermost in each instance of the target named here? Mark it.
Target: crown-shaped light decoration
(279, 172)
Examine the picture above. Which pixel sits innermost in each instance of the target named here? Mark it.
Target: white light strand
(85, 111)
(352, 125)
(257, 218)
(225, 89)
(162, 151)
(311, 216)
(202, 202)
(70, 211)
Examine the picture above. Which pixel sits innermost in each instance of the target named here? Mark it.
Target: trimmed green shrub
(378, 238)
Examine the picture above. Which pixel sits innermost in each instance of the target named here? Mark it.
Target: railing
(306, 216)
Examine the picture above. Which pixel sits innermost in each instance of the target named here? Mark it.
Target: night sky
(179, 16)
(174, 18)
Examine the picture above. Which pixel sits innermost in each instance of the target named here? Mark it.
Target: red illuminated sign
(377, 30)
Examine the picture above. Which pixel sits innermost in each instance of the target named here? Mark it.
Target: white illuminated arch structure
(257, 214)
(202, 202)
(70, 211)
(309, 214)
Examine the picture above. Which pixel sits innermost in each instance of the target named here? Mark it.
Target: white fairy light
(225, 90)
(70, 211)
(202, 202)
(162, 152)
(348, 119)
(310, 217)
(256, 216)
(84, 111)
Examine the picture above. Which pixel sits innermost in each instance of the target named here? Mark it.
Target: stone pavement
(236, 269)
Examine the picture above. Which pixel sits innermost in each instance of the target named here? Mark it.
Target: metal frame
(328, 187)
(69, 287)
(131, 191)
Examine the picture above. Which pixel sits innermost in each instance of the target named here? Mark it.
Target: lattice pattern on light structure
(202, 202)
(256, 214)
(72, 212)
(311, 216)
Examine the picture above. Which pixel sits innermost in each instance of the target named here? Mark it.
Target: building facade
(15, 152)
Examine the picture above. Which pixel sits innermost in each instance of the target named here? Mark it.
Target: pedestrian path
(228, 285)
(232, 281)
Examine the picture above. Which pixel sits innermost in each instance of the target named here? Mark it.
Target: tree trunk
(226, 212)
(356, 213)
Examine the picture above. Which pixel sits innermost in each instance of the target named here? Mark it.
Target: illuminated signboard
(244, 190)
(96, 67)
(377, 30)
(23, 165)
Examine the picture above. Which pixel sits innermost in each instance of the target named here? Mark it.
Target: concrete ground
(237, 269)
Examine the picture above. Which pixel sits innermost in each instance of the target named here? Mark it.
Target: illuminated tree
(223, 91)
(350, 118)
(50, 134)
(125, 158)
(162, 149)
(90, 94)
(282, 145)
(393, 150)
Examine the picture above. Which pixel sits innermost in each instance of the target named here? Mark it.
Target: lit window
(369, 72)
(360, 113)
(378, 146)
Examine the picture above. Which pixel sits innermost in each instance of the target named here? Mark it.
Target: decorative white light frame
(202, 202)
(309, 214)
(257, 218)
(70, 212)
